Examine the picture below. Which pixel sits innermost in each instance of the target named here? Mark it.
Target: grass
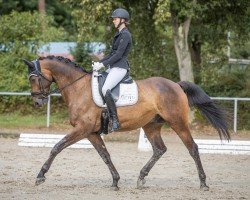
(15, 120)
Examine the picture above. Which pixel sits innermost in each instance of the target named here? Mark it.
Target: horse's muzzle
(39, 102)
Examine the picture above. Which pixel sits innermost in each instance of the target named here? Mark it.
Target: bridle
(38, 73)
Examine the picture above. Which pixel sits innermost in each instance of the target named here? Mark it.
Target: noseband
(38, 73)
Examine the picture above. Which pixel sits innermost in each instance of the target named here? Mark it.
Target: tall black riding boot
(112, 111)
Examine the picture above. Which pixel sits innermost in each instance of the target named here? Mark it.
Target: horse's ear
(31, 66)
(28, 63)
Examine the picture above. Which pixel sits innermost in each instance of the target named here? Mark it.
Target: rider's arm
(106, 57)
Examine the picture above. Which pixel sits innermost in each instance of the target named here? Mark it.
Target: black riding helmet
(120, 13)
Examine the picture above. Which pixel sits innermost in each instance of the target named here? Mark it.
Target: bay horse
(160, 101)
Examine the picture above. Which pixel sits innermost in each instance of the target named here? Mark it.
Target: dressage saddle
(116, 90)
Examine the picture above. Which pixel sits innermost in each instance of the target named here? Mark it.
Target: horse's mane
(66, 61)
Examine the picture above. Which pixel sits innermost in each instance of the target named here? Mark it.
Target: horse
(160, 101)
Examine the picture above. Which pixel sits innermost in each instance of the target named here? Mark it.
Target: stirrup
(114, 126)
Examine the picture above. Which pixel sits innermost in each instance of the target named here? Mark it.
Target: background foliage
(21, 38)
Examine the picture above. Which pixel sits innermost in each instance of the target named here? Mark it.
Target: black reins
(37, 72)
(57, 90)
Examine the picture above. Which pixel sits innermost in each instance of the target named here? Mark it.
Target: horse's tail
(215, 115)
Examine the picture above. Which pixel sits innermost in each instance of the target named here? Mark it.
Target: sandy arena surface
(81, 173)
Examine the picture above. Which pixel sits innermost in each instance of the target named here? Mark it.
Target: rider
(116, 62)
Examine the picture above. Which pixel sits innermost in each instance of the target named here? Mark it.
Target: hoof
(140, 183)
(204, 188)
(40, 180)
(114, 188)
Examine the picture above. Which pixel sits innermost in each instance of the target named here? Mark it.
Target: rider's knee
(104, 90)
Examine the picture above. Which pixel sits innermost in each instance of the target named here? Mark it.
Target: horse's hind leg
(99, 145)
(182, 130)
(68, 140)
(152, 132)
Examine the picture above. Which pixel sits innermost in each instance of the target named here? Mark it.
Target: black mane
(66, 61)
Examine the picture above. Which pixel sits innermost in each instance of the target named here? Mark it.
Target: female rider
(116, 62)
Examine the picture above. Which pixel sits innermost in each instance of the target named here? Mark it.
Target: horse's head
(40, 82)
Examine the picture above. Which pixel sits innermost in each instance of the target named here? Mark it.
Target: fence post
(235, 114)
(48, 112)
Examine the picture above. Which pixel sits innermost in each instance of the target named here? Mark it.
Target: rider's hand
(97, 66)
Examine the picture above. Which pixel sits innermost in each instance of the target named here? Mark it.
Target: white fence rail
(235, 99)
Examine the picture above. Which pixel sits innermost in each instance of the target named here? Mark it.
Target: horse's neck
(64, 75)
(66, 81)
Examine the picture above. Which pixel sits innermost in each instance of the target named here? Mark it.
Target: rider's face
(116, 21)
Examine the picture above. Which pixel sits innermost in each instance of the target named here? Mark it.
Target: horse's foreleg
(68, 140)
(152, 132)
(99, 145)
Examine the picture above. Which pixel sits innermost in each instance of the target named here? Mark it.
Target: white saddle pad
(128, 93)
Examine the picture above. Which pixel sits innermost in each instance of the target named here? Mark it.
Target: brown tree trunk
(42, 11)
(41, 6)
(180, 34)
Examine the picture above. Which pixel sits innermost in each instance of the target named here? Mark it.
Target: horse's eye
(32, 80)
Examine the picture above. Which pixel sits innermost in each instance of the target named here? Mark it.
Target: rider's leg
(112, 111)
(114, 77)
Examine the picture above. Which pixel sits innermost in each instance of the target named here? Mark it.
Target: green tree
(152, 52)
(82, 55)
(61, 12)
(200, 22)
(21, 38)
(179, 14)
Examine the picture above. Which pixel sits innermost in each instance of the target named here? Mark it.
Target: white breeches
(115, 75)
